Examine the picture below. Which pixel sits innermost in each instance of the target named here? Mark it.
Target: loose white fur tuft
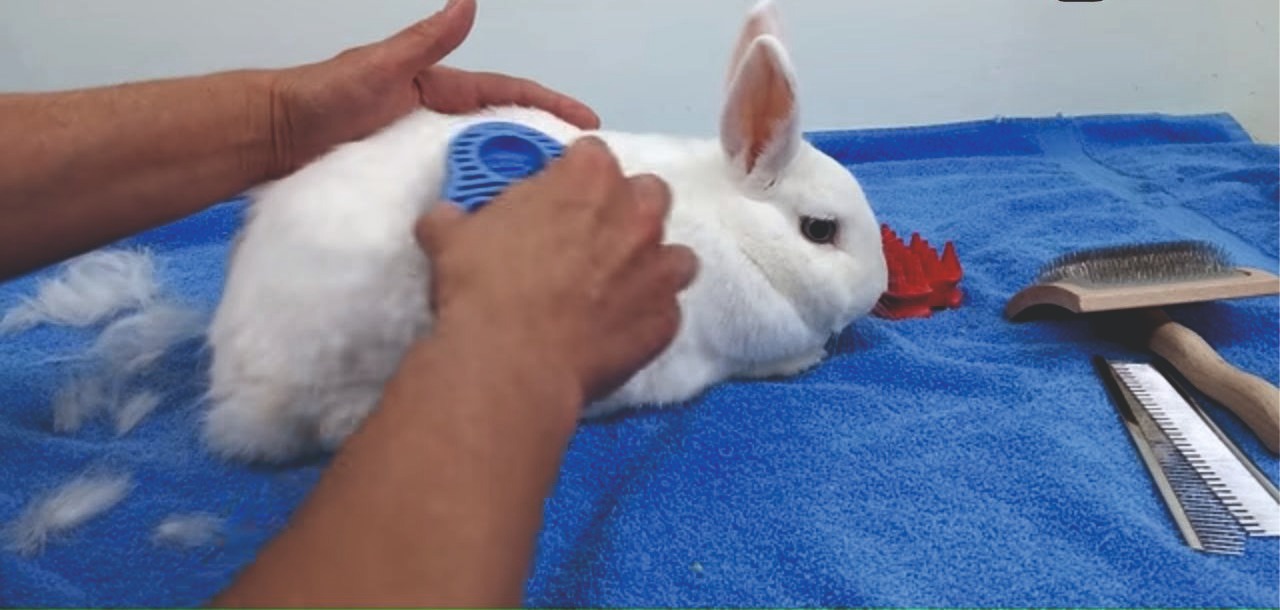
(135, 342)
(86, 396)
(79, 401)
(125, 348)
(67, 507)
(90, 289)
(188, 530)
(134, 410)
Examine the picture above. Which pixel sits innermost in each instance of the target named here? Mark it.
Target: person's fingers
(668, 270)
(658, 280)
(434, 227)
(426, 42)
(590, 153)
(643, 339)
(462, 91)
(653, 200)
(677, 267)
(653, 330)
(588, 164)
(636, 221)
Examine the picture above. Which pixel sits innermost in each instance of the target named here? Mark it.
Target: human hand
(567, 267)
(317, 106)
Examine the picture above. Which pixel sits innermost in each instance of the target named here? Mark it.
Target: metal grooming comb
(1217, 497)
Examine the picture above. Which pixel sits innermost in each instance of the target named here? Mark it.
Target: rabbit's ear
(762, 20)
(759, 127)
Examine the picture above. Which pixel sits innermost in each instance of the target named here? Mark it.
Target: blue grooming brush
(486, 158)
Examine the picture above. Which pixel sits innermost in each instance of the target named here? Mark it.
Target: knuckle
(524, 84)
(431, 230)
(500, 86)
(422, 231)
(352, 53)
(426, 31)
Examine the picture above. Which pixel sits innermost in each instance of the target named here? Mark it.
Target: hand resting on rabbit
(325, 291)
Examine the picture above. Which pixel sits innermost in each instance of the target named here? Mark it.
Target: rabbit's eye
(818, 230)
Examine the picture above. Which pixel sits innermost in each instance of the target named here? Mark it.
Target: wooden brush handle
(1251, 398)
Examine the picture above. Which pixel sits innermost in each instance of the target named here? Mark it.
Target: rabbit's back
(326, 288)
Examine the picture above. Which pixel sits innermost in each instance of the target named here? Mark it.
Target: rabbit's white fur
(326, 289)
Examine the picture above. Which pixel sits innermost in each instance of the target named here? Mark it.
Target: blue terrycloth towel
(956, 460)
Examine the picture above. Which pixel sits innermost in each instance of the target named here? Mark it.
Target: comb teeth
(1218, 498)
(1140, 263)
(1217, 529)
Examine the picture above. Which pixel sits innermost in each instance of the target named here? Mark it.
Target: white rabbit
(326, 288)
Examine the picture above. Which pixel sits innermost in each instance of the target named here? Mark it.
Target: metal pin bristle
(1139, 263)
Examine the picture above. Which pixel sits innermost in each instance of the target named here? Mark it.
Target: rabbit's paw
(253, 423)
(788, 367)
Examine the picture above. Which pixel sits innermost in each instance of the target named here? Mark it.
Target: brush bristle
(1139, 264)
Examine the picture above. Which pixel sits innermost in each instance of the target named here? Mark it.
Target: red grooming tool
(920, 280)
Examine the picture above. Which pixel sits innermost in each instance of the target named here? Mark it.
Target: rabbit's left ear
(763, 19)
(759, 127)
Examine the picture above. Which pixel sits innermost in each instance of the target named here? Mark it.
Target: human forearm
(437, 500)
(83, 168)
(80, 169)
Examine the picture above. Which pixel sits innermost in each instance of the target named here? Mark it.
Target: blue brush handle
(486, 158)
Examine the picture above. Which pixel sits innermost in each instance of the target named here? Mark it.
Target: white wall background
(658, 64)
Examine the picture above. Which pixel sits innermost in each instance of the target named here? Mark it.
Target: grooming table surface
(956, 460)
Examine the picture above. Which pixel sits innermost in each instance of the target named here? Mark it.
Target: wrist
(267, 150)
(518, 362)
(523, 355)
(516, 381)
(502, 421)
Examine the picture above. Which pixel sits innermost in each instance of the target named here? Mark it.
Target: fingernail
(590, 140)
(589, 145)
